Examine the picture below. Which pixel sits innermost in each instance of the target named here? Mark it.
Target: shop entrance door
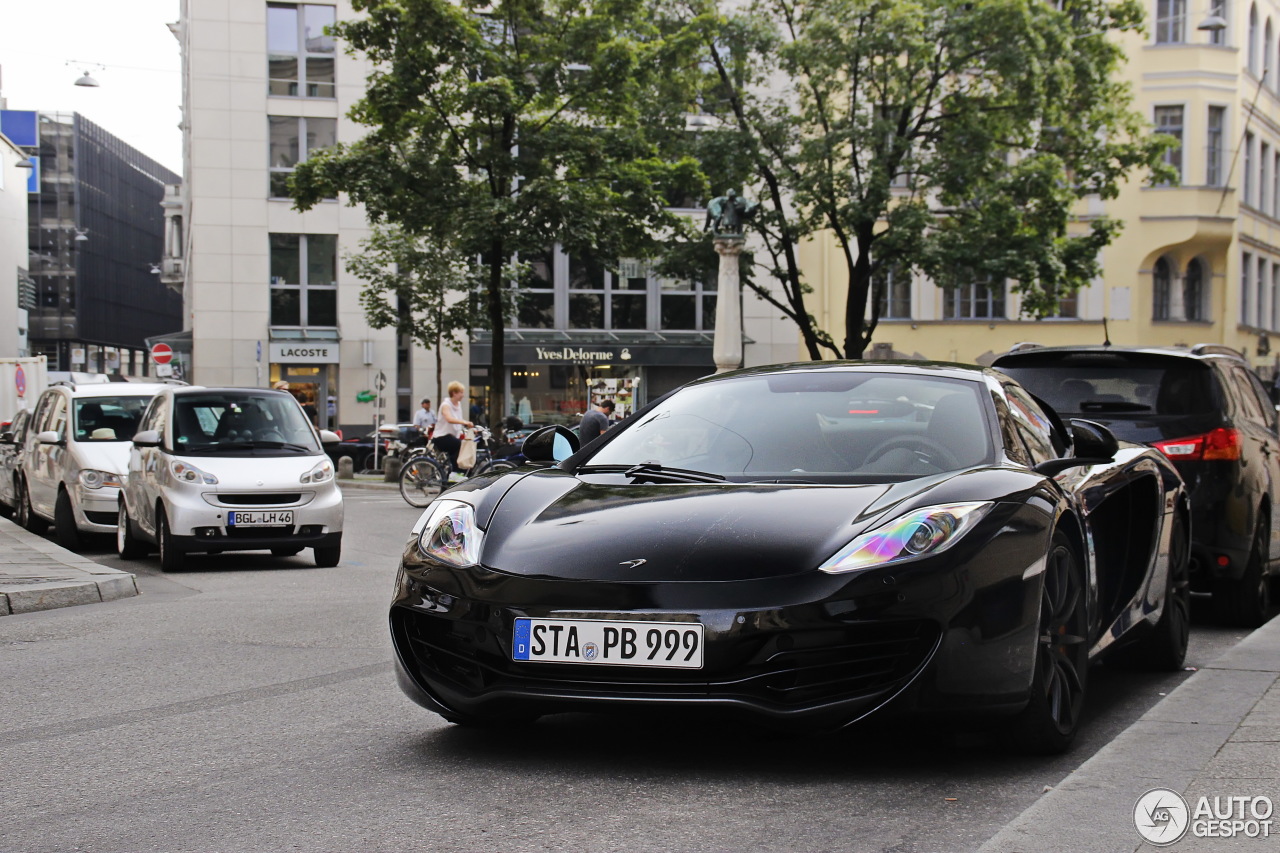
(311, 386)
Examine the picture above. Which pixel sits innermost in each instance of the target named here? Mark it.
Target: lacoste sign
(301, 353)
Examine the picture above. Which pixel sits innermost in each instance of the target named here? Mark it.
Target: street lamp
(1215, 23)
(85, 79)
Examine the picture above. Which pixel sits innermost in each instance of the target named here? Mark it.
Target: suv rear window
(1115, 383)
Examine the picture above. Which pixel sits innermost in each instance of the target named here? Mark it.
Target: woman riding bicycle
(449, 426)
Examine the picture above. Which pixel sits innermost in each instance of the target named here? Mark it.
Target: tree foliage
(504, 127)
(953, 138)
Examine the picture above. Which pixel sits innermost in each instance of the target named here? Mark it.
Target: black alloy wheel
(1165, 647)
(64, 522)
(1049, 723)
(170, 556)
(1246, 601)
(128, 546)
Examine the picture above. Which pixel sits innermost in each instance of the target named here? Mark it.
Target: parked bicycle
(425, 474)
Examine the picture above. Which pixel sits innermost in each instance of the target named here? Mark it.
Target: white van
(229, 469)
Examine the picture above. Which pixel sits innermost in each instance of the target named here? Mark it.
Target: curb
(1214, 730)
(48, 576)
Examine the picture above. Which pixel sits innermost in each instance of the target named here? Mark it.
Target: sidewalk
(1217, 735)
(36, 574)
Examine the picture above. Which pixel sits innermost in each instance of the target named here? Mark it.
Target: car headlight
(919, 533)
(93, 479)
(185, 472)
(319, 474)
(450, 535)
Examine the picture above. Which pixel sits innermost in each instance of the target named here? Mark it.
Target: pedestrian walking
(424, 419)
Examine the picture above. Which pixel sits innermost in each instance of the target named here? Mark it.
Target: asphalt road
(249, 705)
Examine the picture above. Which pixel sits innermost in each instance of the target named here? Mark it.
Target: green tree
(513, 125)
(954, 138)
(420, 287)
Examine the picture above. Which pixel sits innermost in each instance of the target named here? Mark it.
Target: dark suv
(1209, 413)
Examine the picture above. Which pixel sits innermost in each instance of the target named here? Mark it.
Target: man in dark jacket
(595, 422)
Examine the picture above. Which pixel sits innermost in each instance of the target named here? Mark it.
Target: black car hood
(555, 525)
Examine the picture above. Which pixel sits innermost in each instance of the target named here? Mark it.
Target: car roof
(1197, 352)
(112, 389)
(971, 372)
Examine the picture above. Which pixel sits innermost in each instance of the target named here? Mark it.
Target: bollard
(346, 468)
(391, 469)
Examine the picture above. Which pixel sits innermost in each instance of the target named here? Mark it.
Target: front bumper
(812, 648)
(95, 509)
(198, 520)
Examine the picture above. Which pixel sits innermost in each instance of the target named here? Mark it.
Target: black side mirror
(1091, 444)
(550, 445)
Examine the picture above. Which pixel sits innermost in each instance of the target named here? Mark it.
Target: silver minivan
(229, 469)
(74, 452)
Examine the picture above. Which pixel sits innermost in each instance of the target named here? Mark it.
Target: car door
(45, 459)
(1264, 435)
(151, 463)
(11, 458)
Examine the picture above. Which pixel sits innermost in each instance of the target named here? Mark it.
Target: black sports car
(802, 543)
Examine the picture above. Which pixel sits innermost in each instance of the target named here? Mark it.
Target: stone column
(727, 349)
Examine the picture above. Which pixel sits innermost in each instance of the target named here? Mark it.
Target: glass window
(299, 53)
(1171, 21)
(108, 418)
(1252, 47)
(1213, 147)
(893, 292)
(1219, 8)
(1246, 269)
(980, 300)
(1193, 291)
(1246, 193)
(1260, 287)
(1161, 278)
(687, 304)
(309, 303)
(1032, 425)
(1169, 122)
(292, 140)
(231, 423)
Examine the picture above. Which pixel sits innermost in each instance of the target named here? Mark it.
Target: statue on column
(726, 213)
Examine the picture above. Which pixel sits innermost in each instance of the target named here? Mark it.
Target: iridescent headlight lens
(919, 533)
(450, 534)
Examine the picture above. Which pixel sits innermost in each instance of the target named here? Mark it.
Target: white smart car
(229, 469)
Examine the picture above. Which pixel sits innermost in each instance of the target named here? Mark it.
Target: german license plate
(666, 644)
(260, 518)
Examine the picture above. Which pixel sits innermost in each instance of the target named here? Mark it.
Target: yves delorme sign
(301, 352)
(598, 353)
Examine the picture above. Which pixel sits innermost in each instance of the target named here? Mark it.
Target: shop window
(300, 55)
(292, 140)
(304, 280)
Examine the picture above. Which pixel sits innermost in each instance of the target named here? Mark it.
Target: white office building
(267, 297)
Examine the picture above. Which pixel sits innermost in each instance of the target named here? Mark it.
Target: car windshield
(230, 423)
(1116, 383)
(108, 418)
(848, 424)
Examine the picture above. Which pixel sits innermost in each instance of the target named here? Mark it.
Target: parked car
(74, 455)
(1209, 413)
(229, 469)
(360, 449)
(802, 544)
(12, 442)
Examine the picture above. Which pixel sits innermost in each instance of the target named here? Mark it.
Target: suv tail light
(1221, 443)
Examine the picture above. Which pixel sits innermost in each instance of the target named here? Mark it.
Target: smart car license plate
(260, 518)
(667, 644)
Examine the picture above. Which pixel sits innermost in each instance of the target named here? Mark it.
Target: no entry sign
(162, 353)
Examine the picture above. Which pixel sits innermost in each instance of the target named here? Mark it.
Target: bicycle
(423, 476)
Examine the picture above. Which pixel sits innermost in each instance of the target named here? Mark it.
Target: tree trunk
(858, 330)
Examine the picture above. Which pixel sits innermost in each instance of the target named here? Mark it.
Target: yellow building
(1197, 262)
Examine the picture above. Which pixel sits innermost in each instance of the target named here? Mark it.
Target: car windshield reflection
(852, 425)
(246, 424)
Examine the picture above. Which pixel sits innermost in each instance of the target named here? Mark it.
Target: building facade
(1196, 262)
(15, 285)
(267, 294)
(94, 238)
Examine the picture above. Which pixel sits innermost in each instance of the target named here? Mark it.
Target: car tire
(285, 552)
(328, 556)
(26, 513)
(170, 556)
(64, 522)
(1165, 647)
(1048, 724)
(421, 481)
(128, 546)
(1246, 601)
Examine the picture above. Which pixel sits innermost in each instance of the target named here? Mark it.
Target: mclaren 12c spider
(803, 544)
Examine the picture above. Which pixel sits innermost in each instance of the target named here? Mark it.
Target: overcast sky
(141, 89)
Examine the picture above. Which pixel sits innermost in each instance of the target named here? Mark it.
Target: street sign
(20, 380)
(162, 353)
(381, 381)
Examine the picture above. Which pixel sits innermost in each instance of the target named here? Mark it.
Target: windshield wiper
(653, 472)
